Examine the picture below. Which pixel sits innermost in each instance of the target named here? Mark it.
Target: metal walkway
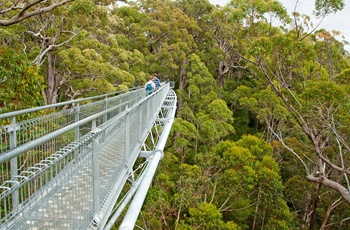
(79, 164)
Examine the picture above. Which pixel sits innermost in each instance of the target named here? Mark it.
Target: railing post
(93, 124)
(95, 169)
(127, 135)
(105, 116)
(120, 102)
(148, 117)
(13, 161)
(95, 174)
(140, 123)
(77, 129)
(77, 117)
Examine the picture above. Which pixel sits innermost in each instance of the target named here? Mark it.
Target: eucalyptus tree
(239, 182)
(185, 141)
(323, 8)
(211, 116)
(300, 100)
(330, 52)
(201, 11)
(44, 29)
(207, 216)
(170, 35)
(228, 23)
(225, 30)
(129, 42)
(42, 37)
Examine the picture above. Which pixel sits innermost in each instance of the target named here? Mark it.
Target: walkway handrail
(31, 110)
(32, 144)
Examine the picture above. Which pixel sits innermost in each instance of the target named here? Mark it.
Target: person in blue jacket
(155, 80)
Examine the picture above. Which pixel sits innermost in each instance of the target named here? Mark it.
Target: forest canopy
(260, 139)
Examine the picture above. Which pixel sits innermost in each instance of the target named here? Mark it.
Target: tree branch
(13, 7)
(27, 7)
(287, 147)
(22, 15)
(40, 56)
(330, 184)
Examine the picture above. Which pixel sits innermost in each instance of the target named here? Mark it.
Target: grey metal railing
(66, 169)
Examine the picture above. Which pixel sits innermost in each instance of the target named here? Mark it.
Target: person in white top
(150, 86)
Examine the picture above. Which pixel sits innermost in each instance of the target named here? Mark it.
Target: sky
(339, 21)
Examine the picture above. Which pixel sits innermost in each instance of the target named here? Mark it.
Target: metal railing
(64, 169)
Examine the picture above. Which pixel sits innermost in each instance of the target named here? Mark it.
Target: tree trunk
(305, 222)
(313, 212)
(256, 210)
(182, 83)
(52, 81)
(328, 213)
(223, 69)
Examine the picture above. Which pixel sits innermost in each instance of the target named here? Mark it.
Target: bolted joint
(161, 153)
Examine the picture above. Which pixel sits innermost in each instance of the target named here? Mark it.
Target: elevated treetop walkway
(65, 166)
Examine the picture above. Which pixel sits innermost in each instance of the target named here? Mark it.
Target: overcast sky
(339, 21)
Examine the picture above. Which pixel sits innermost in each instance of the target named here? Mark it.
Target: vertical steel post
(95, 174)
(95, 170)
(148, 111)
(127, 136)
(13, 161)
(76, 130)
(105, 116)
(140, 124)
(93, 124)
(77, 117)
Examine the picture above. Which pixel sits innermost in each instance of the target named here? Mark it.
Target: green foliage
(215, 123)
(323, 93)
(324, 97)
(10, 35)
(157, 205)
(188, 194)
(20, 82)
(207, 216)
(257, 147)
(324, 7)
(92, 69)
(344, 77)
(186, 134)
(251, 176)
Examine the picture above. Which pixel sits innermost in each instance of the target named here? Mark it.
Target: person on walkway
(155, 80)
(150, 86)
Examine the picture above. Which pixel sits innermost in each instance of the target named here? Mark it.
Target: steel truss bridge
(82, 164)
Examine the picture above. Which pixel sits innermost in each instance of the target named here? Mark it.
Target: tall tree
(304, 103)
(299, 99)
